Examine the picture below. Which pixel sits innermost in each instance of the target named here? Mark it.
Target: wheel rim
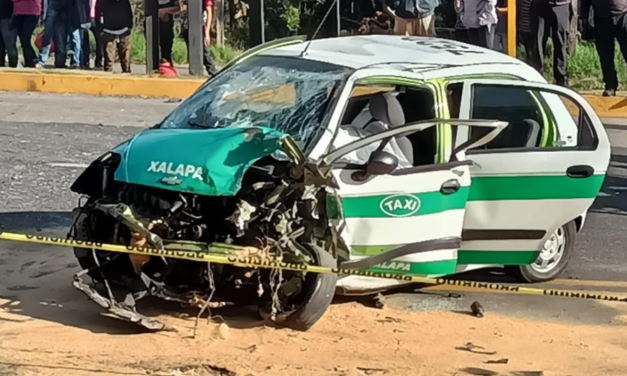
(552, 252)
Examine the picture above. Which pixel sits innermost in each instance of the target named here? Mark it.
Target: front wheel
(553, 257)
(316, 295)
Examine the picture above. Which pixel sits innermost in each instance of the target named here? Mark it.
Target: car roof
(403, 52)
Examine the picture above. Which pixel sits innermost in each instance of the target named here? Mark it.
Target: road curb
(157, 87)
(608, 107)
(105, 85)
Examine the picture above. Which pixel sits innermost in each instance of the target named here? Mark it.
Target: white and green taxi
(384, 154)
(456, 200)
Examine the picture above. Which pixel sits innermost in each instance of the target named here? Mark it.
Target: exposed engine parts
(272, 218)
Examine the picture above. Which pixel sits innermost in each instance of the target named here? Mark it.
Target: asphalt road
(47, 140)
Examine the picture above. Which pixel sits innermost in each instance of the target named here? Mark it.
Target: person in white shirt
(480, 19)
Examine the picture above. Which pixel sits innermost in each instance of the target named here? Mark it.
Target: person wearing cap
(610, 25)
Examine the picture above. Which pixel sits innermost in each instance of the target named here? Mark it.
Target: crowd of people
(67, 24)
(484, 23)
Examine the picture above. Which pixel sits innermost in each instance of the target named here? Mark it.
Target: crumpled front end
(241, 192)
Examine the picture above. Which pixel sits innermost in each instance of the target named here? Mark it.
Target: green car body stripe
(488, 188)
(496, 257)
(430, 203)
(420, 268)
(463, 257)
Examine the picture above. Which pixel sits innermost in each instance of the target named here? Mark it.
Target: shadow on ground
(34, 221)
(611, 199)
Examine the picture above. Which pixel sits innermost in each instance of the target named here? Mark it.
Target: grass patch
(584, 68)
(221, 54)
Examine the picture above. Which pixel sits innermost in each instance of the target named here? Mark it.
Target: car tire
(554, 257)
(318, 296)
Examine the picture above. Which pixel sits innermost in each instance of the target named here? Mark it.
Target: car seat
(388, 114)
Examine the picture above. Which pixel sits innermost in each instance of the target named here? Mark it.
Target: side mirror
(381, 163)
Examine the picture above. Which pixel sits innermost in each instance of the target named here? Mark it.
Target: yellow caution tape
(257, 263)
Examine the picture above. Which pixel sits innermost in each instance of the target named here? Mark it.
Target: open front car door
(408, 219)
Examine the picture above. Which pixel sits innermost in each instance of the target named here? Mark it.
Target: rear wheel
(553, 257)
(317, 293)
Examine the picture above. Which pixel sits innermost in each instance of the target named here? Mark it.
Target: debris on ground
(470, 347)
(379, 301)
(390, 319)
(372, 371)
(477, 309)
(223, 331)
(499, 361)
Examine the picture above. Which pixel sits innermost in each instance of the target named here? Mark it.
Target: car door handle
(450, 186)
(580, 171)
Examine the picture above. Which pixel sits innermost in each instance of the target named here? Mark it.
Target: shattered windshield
(286, 94)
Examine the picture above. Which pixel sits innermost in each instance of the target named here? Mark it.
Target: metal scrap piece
(242, 215)
(124, 214)
(125, 310)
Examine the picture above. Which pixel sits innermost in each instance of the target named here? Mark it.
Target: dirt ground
(49, 328)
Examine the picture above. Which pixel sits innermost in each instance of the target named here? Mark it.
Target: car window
(289, 95)
(518, 106)
(404, 105)
(537, 119)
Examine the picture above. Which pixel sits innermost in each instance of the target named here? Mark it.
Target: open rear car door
(402, 220)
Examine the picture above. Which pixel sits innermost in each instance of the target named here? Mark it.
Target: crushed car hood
(208, 161)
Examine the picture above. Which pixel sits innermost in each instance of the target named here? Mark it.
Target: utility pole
(511, 28)
(196, 43)
(151, 29)
(339, 17)
(574, 22)
(256, 23)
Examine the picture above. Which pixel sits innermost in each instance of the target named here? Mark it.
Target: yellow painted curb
(156, 87)
(99, 85)
(608, 107)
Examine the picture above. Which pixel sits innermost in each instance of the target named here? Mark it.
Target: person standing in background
(95, 28)
(461, 31)
(116, 17)
(553, 16)
(479, 17)
(8, 34)
(413, 17)
(25, 18)
(77, 23)
(523, 26)
(55, 27)
(610, 24)
(500, 38)
(208, 61)
(167, 10)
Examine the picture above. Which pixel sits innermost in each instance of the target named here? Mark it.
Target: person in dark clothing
(553, 16)
(96, 28)
(8, 34)
(523, 26)
(116, 18)
(167, 10)
(610, 24)
(208, 61)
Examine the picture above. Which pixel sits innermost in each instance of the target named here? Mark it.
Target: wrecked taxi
(388, 154)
